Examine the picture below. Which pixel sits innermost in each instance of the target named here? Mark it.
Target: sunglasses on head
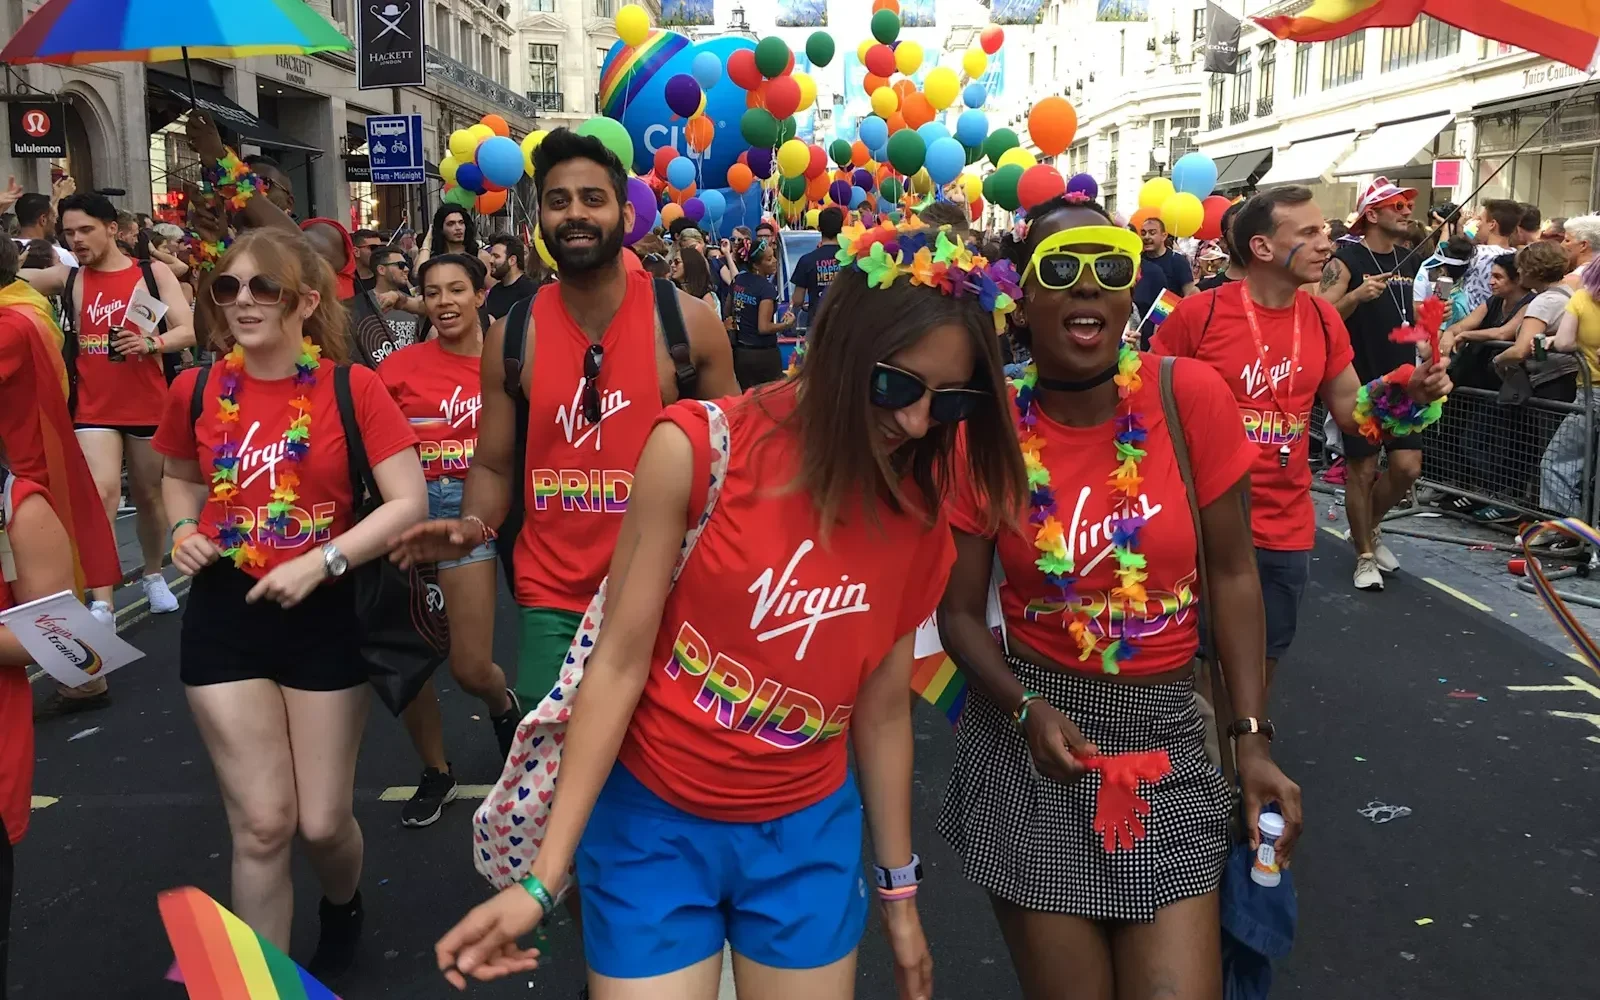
(591, 392)
(895, 389)
(264, 291)
(1059, 268)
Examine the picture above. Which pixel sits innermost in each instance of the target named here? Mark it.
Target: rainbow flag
(1568, 32)
(937, 681)
(221, 958)
(1162, 307)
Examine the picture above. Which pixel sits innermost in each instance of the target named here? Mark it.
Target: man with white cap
(1369, 283)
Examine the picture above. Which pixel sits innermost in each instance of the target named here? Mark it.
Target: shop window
(1423, 41)
(1495, 185)
(1302, 70)
(1579, 121)
(1495, 133)
(1344, 60)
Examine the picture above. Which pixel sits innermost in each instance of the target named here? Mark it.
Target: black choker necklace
(1079, 385)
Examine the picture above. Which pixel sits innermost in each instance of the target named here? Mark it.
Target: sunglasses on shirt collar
(1058, 268)
(591, 390)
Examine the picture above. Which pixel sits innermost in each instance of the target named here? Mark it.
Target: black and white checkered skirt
(1030, 840)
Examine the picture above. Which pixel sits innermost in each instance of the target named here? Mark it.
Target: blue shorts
(444, 501)
(662, 889)
(1284, 576)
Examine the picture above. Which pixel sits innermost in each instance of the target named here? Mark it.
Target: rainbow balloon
(223, 959)
(628, 70)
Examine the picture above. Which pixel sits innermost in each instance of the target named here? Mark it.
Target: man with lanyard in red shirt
(1279, 348)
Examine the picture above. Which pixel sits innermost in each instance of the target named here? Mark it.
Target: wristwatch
(1251, 725)
(899, 878)
(334, 561)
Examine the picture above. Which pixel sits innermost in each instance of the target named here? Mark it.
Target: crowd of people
(621, 423)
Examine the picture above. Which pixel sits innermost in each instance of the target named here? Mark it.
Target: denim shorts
(1284, 576)
(444, 501)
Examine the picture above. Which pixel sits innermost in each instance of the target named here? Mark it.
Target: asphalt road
(1405, 698)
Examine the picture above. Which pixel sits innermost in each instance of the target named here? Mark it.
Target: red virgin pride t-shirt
(439, 393)
(324, 508)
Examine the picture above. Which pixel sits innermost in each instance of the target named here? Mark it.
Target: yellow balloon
(447, 169)
(941, 87)
(808, 89)
(1183, 214)
(812, 216)
(544, 251)
(861, 50)
(702, 108)
(921, 183)
(530, 142)
(1155, 193)
(793, 158)
(908, 57)
(464, 145)
(633, 24)
(1018, 156)
(972, 184)
(885, 102)
(975, 62)
(479, 133)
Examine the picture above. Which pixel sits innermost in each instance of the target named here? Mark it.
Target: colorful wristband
(1385, 409)
(489, 534)
(183, 521)
(540, 894)
(890, 895)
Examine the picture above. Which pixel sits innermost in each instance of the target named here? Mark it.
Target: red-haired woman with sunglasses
(259, 490)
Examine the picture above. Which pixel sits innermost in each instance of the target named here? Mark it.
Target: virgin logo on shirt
(1255, 381)
(573, 422)
(804, 607)
(100, 311)
(1085, 536)
(458, 411)
(253, 462)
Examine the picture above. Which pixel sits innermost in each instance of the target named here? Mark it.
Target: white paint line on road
(1458, 595)
(1335, 532)
(403, 793)
(43, 801)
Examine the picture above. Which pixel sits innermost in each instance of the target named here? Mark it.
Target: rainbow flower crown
(930, 257)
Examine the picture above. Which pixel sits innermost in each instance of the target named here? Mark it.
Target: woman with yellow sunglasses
(1096, 675)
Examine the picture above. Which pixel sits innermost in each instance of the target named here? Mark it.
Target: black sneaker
(337, 939)
(433, 792)
(505, 724)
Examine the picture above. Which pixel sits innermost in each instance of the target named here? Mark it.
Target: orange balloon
(740, 177)
(885, 172)
(893, 5)
(874, 81)
(917, 110)
(1143, 215)
(679, 197)
(817, 187)
(896, 122)
(671, 212)
(699, 132)
(1052, 123)
(859, 153)
(903, 89)
(498, 124)
(492, 202)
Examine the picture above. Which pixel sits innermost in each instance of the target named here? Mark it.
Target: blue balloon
(874, 131)
(1196, 174)
(972, 127)
(974, 96)
(469, 176)
(945, 160)
(857, 196)
(706, 70)
(715, 204)
(680, 172)
(931, 131)
(501, 161)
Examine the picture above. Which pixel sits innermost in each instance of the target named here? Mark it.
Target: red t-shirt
(16, 713)
(438, 392)
(1080, 460)
(1281, 514)
(742, 718)
(128, 393)
(324, 508)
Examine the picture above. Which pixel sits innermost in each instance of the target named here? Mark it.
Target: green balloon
(759, 128)
(891, 188)
(459, 196)
(772, 56)
(1000, 140)
(840, 151)
(988, 188)
(819, 48)
(1005, 186)
(886, 26)
(787, 129)
(907, 149)
(974, 154)
(614, 135)
(793, 188)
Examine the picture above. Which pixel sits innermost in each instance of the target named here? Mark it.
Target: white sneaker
(159, 595)
(103, 614)
(1367, 576)
(1387, 563)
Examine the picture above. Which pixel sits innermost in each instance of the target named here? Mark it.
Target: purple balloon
(1085, 185)
(683, 95)
(839, 191)
(643, 201)
(862, 179)
(694, 209)
(760, 162)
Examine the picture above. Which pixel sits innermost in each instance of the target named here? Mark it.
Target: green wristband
(183, 521)
(540, 894)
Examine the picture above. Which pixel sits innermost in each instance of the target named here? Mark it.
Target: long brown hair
(289, 259)
(696, 272)
(858, 327)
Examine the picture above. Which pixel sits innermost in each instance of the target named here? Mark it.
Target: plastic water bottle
(1265, 871)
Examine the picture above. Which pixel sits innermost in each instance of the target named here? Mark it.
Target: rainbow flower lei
(1384, 407)
(932, 258)
(1055, 559)
(232, 179)
(234, 541)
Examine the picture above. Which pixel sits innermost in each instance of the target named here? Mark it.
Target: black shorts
(754, 366)
(142, 431)
(313, 646)
(1284, 576)
(1357, 447)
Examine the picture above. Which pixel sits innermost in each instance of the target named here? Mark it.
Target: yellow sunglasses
(1058, 268)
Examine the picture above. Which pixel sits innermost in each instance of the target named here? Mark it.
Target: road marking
(43, 801)
(1458, 595)
(1574, 683)
(1335, 532)
(403, 793)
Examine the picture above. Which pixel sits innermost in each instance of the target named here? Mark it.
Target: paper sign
(145, 311)
(1447, 173)
(68, 642)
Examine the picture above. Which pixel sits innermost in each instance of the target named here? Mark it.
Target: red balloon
(880, 60)
(1211, 228)
(991, 38)
(664, 156)
(819, 163)
(1038, 185)
(789, 68)
(977, 209)
(742, 69)
(783, 96)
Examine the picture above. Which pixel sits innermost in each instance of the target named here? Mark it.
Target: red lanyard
(1261, 348)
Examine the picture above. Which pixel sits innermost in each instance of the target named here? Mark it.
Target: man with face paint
(1279, 348)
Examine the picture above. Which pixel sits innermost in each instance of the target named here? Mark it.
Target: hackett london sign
(38, 130)
(389, 44)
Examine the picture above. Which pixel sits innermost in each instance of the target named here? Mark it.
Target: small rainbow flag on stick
(223, 959)
(936, 679)
(1162, 307)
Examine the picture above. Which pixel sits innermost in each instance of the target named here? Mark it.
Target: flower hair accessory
(930, 257)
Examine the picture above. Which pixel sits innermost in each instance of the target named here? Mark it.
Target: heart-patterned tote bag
(510, 825)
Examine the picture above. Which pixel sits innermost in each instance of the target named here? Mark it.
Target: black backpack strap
(197, 398)
(670, 312)
(362, 485)
(69, 340)
(514, 355)
(150, 286)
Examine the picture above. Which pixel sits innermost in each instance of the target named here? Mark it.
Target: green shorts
(542, 645)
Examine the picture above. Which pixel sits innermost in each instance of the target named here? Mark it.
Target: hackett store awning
(227, 114)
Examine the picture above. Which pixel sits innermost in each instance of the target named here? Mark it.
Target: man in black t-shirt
(1234, 270)
(507, 260)
(1160, 269)
(814, 271)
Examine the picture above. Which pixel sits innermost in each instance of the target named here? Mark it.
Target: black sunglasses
(591, 392)
(264, 291)
(895, 389)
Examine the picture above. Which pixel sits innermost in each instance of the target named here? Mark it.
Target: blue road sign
(394, 149)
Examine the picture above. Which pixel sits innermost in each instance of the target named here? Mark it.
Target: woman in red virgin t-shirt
(264, 521)
(706, 771)
(1095, 678)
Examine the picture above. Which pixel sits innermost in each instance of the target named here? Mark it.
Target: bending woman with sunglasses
(705, 791)
(1101, 602)
(260, 493)
(753, 306)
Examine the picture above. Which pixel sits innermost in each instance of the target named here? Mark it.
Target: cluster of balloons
(484, 163)
(1184, 202)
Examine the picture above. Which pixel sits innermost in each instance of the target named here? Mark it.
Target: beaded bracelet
(489, 534)
(1385, 409)
(231, 179)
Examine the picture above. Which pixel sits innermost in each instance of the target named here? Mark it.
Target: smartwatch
(899, 878)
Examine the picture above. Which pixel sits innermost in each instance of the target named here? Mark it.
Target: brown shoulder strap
(1180, 448)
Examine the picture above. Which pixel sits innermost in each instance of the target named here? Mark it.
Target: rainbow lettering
(837, 723)
(450, 456)
(1106, 618)
(313, 526)
(757, 708)
(94, 343)
(690, 652)
(593, 491)
(795, 721)
(1273, 427)
(727, 685)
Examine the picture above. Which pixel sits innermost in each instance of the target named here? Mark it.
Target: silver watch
(334, 561)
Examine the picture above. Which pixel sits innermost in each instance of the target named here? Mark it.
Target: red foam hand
(1409, 334)
(1118, 805)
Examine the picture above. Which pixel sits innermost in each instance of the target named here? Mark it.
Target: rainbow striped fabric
(1163, 306)
(1568, 32)
(937, 681)
(75, 32)
(1579, 636)
(221, 958)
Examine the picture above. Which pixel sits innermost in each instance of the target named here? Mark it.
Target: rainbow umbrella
(75, 32)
